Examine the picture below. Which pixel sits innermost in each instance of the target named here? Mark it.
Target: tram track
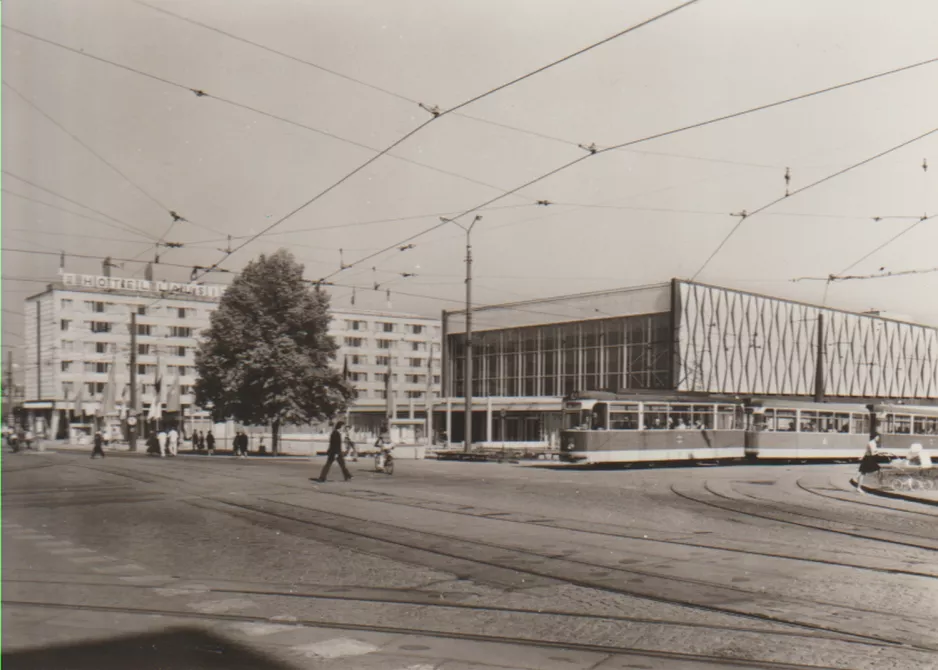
(864, 503)
(801, 524)
(431, 599)
(718, 661)
(650, 593)
(570, 525)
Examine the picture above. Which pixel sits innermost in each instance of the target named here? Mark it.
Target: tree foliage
(267, 353)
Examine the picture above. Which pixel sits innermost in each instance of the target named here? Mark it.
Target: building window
(388, 327)
(68, 345)
(418, 329)
(180, 351)
(181, 312)
(67, 389)
(180, 370)
(385, 344)
(415, 394)
(97, 387)
(142, 310)
(353, 341)
(64, 324)
(66, 303)
(143, 349)
(436, 379)
(382, 360)
(415, 362)
(98, 306)
(101, 368)
(180, 331)
(100, 347)
(351, 324)
(416, 379)
(358, 359)
(144, 329)
(358, 376)
(66, 366)
(100, 327)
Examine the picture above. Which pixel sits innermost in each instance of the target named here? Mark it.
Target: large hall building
(679, 337)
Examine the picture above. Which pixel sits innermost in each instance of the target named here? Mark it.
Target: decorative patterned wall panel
(734, 342)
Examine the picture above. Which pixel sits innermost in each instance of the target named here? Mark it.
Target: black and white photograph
(469, 335)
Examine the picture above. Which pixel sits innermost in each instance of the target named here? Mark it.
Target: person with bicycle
(384, 447)
(350, 449)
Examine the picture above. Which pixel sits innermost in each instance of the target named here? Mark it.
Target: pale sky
(621, 218)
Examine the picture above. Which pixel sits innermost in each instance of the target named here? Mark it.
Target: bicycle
(384, 461)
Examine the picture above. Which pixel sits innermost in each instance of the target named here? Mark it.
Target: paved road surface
(199, 562)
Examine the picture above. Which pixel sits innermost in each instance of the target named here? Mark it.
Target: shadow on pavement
(183, 648)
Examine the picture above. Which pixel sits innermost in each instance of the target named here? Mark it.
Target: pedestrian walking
(98, 445)
(335, 454)
(350, 448)
(210, 443)
(173, 441)
(153, 445)
(869, 463)
(161, 439)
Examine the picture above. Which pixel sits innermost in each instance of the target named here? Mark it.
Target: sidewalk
(925, 497)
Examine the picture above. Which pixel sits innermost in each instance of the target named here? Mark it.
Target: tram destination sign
(103, 283)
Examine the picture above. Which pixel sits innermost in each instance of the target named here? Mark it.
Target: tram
(803, 430)
(604, 427)
(901, 426)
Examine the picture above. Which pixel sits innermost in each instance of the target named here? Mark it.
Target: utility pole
(819, 361)
(132, 415)
(8, 389)
(468, 390)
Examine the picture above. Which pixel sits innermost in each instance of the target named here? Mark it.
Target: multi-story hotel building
(79, 327)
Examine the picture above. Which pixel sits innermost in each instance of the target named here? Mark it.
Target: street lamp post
(467, 394)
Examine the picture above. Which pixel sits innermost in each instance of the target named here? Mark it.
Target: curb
(897, 496)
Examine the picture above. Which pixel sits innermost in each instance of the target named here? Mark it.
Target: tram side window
(656, 417)
(826, 422)
(925, 425)
(571, 419)
(623, 417)
(703, 417)
(786, 420)
(727, 418)
(681, 417)
(899, 424)
(841, 423)
(860, 424)
(809, 421)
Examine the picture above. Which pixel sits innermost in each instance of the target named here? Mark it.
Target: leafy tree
(266, 355)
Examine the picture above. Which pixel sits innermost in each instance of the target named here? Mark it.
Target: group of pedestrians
(163, 442)
(203, 441)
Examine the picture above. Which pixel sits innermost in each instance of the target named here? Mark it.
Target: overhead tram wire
(885, 244)
(176, 218)
(440, 114)
(394, 94)
(201, 93)
(83, 216)
(601, 150)
(99, 258)
(126, 226)
(748, 215)
(878, 275)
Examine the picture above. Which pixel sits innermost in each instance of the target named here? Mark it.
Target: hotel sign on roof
(142, 285)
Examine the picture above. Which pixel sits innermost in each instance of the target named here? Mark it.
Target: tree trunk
(275, 437)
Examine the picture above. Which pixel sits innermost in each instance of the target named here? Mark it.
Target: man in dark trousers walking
(335, 453)
(98, 445)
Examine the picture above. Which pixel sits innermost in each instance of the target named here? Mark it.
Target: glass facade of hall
(632, 352)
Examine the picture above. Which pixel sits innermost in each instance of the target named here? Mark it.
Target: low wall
(904, 478)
